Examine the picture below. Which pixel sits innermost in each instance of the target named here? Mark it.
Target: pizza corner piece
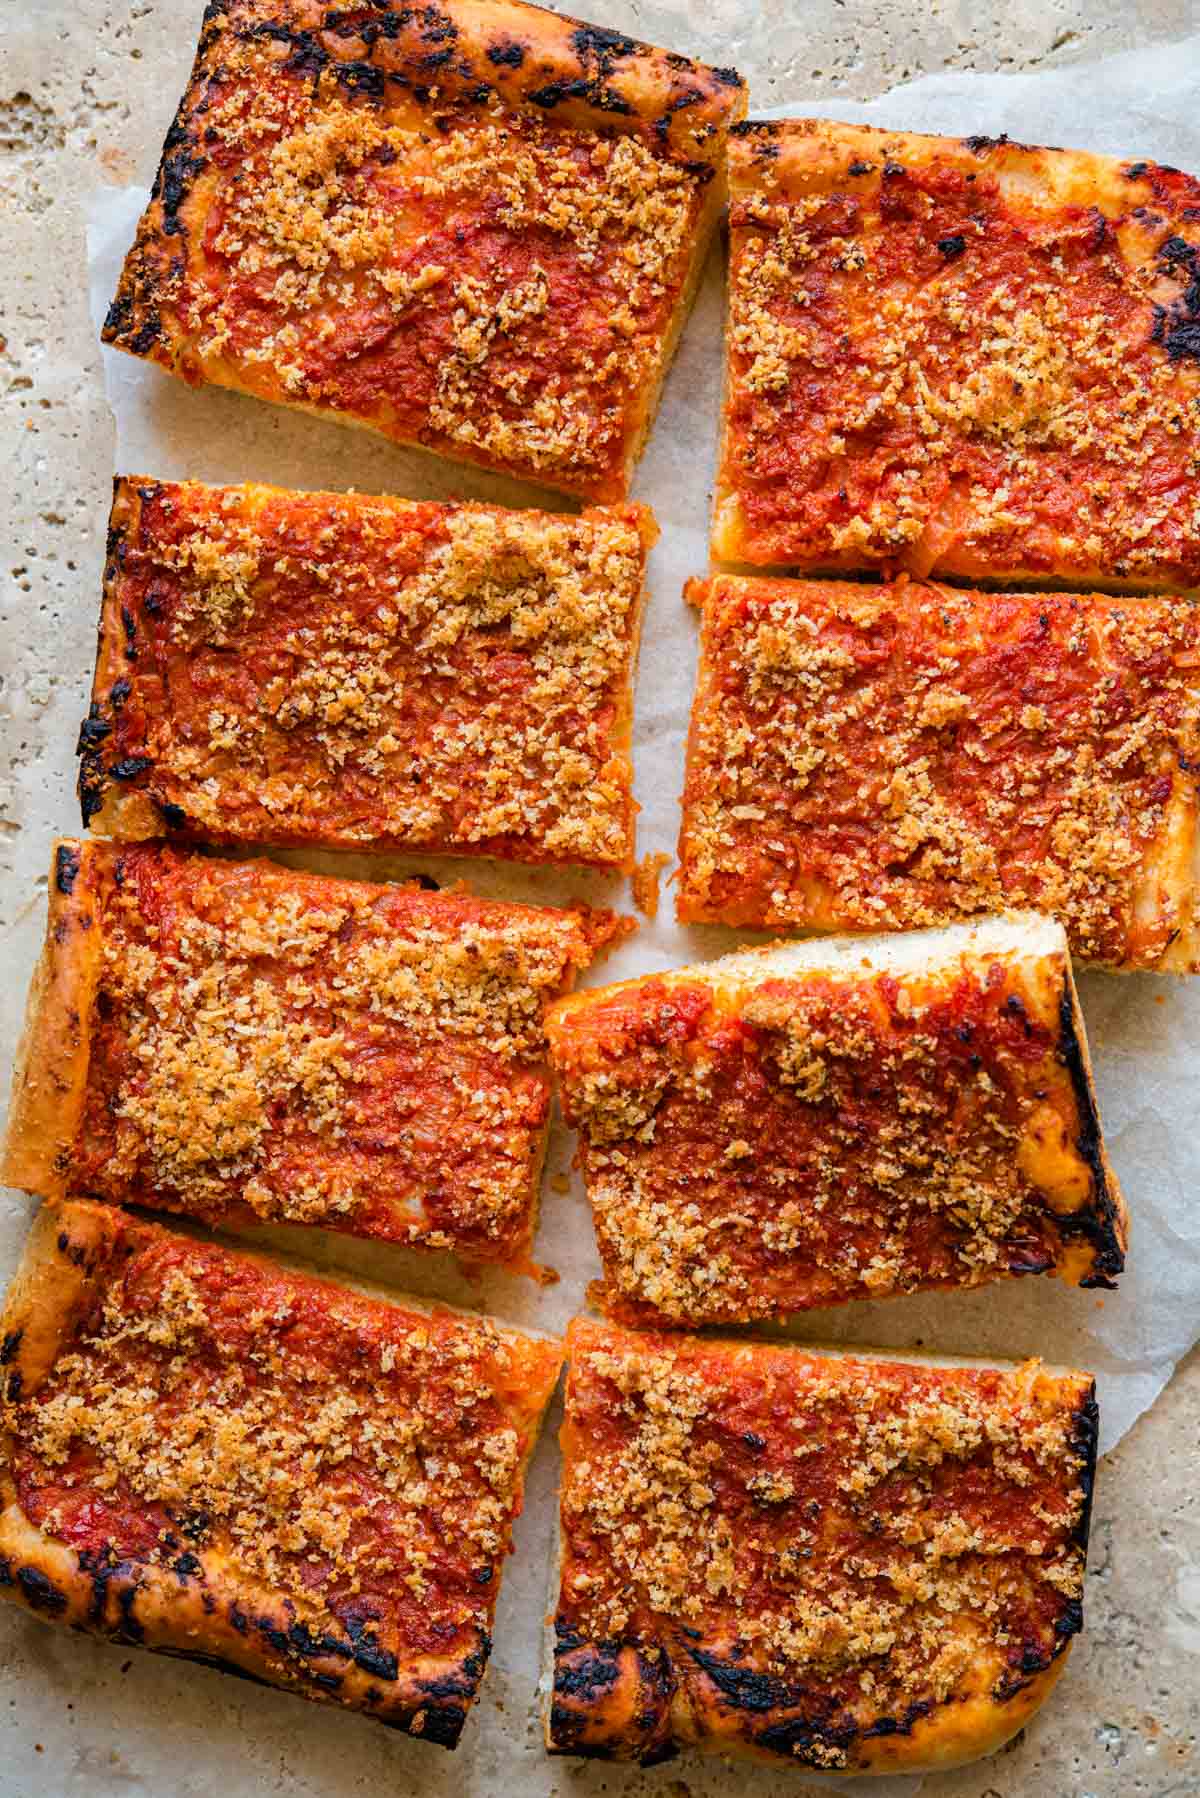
(332, 670)
(960, 356)
(233, 1461)
(474, 226)
(846, 1562)
(242, 1042)
(847, 1118)
(906, 754)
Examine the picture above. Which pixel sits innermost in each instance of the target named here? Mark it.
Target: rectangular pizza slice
(328, 669)
(241, 1042)
(844, 1562)
(882, 757)
(472, 225)
(960, 356)
(848, 1118)
(231, 1460)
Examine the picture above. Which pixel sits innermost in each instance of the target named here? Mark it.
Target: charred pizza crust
(335, 670)
(248, 1043)
(964, 357)
(187, 1435)
(848, 1118)
(843, 1561)
(474, 226)
(906, 754)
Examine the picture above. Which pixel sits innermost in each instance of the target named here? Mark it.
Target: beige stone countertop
(87, 88)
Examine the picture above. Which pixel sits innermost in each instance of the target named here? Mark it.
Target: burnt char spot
(362, 78)
(952, 247)
(302, 1641)
(1097, 1221)
(1070, 1622)
(9, 1346)
(40, 1591)
(148, 332)
(92, 781)
(506, 56)
(893, 170)
(441, 1723)
(239, 1619)
(603, 98)
(1083, 1443)
(376, 1661)
(187, 1565)
(588, 1676)
(860, 168)
(1177, 326)
(727, 77)
(66, 872)
(93, 730)
(14, 1387)
(130, 767)
(6, 1578)
(753, 1441)
(804, 1742)
(1135, 171)
(753, 128)
(118, 693)
(116, 319)
(604, 45)
(173, 816)
(130, 1630)
(979, 145)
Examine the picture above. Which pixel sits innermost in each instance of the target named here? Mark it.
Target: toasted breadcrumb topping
(352, 1458)
(905, 755)
(800, 1141)
(973, 361)
(285, 1046)
(877, 1539)
(455, 266)
(324, 668)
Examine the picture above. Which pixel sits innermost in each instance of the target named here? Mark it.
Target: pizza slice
(847, 1562)
(473, 226)
(883, 757)
(333, 670)
(231, 1460)
(243, 1042)
(960, 356)
(848, 1118)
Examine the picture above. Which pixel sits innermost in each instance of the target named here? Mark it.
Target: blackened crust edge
(1098, 1220)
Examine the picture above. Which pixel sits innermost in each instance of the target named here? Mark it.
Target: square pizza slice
(855, 1563)
(333, 670)
(231, 1460)
(241, 1042)
(848, 1118)
(960, 356)
(883, 757)
(473, 226)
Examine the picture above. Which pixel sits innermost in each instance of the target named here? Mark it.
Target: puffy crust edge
(51, 1064)
(807, 155)
(198, 1610)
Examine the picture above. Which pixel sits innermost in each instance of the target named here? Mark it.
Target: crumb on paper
(560, 1183)
(644, 882)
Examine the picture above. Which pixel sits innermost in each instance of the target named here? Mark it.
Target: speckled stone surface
(86, 90)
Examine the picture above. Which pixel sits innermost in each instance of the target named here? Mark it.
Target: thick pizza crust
(202, 1609)
(902, 777)
(1060, 1150)
(1141, 208)
(386, 769)
(506, 55)
(51, 1065)
(630, 1701)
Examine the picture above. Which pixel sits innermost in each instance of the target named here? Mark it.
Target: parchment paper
(1145, 1031)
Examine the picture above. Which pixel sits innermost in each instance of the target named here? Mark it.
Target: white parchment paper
(1145, 1031)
